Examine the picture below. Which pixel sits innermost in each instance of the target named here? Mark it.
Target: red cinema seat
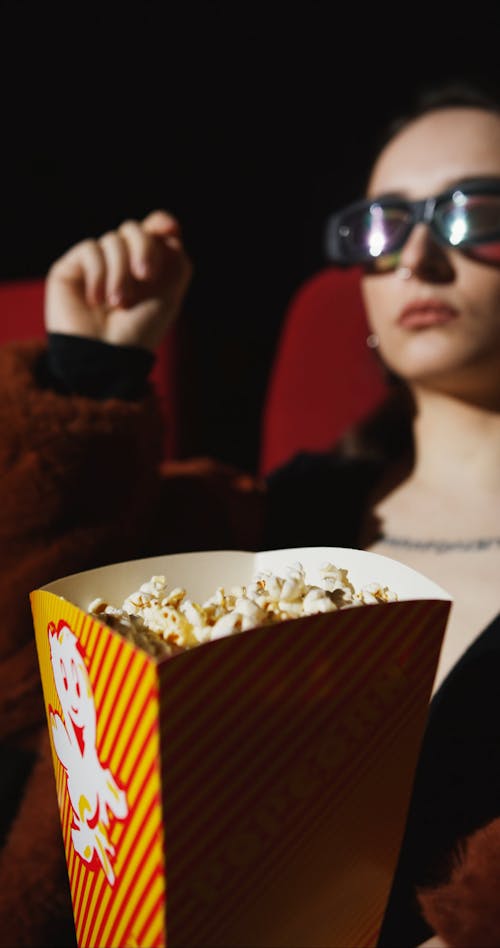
(323, 378)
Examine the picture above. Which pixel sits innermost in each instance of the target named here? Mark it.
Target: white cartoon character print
(92, 789)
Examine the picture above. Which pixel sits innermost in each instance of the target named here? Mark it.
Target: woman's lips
(425, 313)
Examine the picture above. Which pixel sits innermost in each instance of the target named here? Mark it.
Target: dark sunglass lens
(469, 219)
(373, 231)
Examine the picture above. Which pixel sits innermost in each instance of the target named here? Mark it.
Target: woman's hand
(125, 288)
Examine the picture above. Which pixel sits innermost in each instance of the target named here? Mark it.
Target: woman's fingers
(158, 239)
(84, 267)
(122, 267)
(118, 275)
(95, 275)
(144, 249)
(162, 224)
(165, 226)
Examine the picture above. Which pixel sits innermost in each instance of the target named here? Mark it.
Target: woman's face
(438, 315)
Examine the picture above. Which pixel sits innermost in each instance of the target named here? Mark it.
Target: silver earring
(372, 340)
(404, 273)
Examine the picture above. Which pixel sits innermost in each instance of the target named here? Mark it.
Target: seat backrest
(21, 317)
(323, 377)
(21, 310)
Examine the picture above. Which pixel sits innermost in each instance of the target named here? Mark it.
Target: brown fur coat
(81, 485)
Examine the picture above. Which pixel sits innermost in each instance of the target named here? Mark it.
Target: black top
(321, 500)
(457, 783)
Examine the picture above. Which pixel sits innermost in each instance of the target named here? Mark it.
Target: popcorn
(165, 622)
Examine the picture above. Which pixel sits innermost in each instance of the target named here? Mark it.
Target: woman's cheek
(376, 301)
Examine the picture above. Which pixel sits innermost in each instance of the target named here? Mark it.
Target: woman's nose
(424, 256)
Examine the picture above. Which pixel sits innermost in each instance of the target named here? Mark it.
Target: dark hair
(385, 435)
(451, 93)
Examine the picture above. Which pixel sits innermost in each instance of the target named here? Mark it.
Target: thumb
(162, 224)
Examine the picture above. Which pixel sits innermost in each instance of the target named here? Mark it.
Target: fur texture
(465, 910)
(68, 467)
(80, 486)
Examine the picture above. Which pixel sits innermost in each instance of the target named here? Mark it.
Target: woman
(430, 498)
(428, 238)
(435, 310)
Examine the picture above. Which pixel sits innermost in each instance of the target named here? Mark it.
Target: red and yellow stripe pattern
(125, 689)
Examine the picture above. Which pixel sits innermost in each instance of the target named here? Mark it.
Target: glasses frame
(422, 211)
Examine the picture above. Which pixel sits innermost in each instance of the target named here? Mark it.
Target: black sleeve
(456, 788)
(76, 365)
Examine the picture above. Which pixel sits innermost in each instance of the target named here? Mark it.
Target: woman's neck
(457, 446)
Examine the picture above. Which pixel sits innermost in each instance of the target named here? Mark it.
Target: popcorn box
(251, 791)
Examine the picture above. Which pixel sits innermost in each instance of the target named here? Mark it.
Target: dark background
(248, 121)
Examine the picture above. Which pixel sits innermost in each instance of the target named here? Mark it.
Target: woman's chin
(429, 359)
(472, 382)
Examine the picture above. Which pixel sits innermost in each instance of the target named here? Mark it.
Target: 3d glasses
(372, 233)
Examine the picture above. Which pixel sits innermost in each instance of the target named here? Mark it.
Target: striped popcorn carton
(251, 791)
